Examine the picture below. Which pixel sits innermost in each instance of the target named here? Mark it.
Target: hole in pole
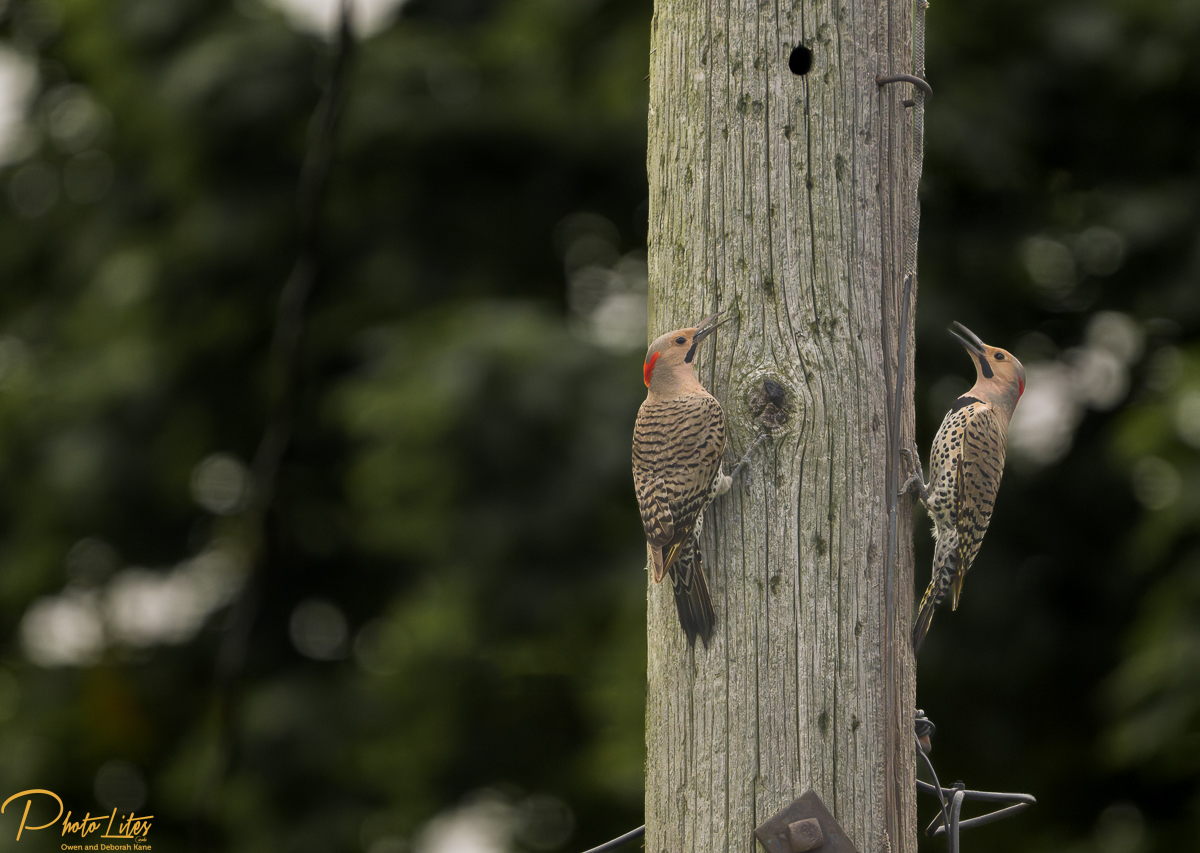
(800, 62)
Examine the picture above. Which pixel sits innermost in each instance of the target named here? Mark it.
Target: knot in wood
(771, 404)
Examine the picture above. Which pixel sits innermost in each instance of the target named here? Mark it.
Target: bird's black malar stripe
(984, 367)
(691, 353)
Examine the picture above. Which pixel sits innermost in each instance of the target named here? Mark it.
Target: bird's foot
(915, 484)
(745, 460)
(726, 480)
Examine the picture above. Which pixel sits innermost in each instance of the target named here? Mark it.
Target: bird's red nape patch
(1020, 388)
(648, 368)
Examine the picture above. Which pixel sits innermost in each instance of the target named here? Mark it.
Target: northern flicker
(965, 466)
(677, 445)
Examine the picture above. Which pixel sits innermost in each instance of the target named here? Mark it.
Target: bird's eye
(999, 356)
(681, 340)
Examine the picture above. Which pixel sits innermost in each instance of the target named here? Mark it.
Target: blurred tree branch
(284, 364)
(283, 384)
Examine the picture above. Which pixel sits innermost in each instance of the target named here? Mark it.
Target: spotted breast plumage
(966, 464)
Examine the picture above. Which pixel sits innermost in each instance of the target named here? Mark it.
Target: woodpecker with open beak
(965, 466)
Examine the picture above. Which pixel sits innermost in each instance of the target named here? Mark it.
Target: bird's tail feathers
(668, 558)
(924, 619)
(956, 583)
(692, 598)
(939, 585)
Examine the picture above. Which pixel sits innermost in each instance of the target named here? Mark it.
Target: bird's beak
(704, 329)
(968, 339)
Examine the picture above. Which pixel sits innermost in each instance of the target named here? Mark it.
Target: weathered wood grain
(790, 199)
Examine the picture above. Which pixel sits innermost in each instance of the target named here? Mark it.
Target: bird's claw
(907, 488)
(745, 460)
(915, 484)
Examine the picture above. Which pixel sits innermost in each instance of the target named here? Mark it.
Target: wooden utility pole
(783, 186)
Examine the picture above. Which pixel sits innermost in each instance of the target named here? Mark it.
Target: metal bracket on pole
(803, 825)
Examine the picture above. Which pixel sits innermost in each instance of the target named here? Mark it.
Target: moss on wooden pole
(790, 198)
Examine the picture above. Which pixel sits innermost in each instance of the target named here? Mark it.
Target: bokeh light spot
(318, 629)
(483, 825)
(1100, 251)
(18, 77)
(64, 630)
(146, 608)
(91, 561)
(33, 190)
(1187, 417)
(74, 118)
(221, 484)
(1156, 482)
(1050, 264)
(321, 16)
(1119, 829)
(543, 822)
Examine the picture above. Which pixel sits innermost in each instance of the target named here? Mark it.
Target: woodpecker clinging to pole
(965, 466)
(677, 445)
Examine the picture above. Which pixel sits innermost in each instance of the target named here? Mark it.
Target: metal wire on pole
(948, 822)
(617, 842)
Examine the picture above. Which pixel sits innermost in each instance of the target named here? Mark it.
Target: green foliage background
(457, 491)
